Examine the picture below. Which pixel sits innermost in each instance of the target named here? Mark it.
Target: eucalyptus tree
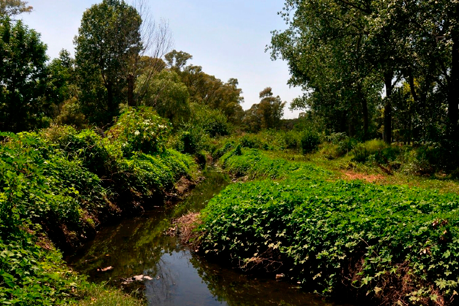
(107, 45)
(208, 90)
(265, 115)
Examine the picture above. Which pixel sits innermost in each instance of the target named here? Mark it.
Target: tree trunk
(131, 89)
(388, 76)
(363, 100)
(111, 107)
(453, 95)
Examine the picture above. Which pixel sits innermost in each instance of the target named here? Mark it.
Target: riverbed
(168, 272)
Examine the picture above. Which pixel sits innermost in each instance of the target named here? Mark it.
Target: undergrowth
(58, 185)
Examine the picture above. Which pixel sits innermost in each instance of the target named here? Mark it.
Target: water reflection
(177, 277)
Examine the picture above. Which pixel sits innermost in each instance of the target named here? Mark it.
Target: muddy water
(172, 274)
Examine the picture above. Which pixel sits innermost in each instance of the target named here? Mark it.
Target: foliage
(107, 46)
(208, 90)
(343, 52)
(265, 115)
(362, 151)
(14, 7)
(31, 275)
(71, 114)
(205, 123)
(213, 121)
(61, 184)
(22, 77)
(168, 96)
(380, 235)
(256, 165)
(140, 130)
(99, 295)
(309, 141)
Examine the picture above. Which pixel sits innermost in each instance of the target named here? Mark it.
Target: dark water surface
(177, 276)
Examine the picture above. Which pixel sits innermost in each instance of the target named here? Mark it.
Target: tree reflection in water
(138, 246)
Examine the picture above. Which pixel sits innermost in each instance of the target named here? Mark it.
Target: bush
(140, 130)
(192, 139)
(86, 146)
(346, 145)
(363, 151)
(292, 140)
(309, 141)
(251, 141)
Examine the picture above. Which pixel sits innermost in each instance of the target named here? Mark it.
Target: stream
(172, 275)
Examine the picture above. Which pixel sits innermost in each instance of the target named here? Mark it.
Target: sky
(227, 38)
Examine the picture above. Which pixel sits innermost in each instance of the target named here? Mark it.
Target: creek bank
(60, 186)
(174, 275)
(370, 243)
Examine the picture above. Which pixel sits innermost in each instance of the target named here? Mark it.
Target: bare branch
(157, 41)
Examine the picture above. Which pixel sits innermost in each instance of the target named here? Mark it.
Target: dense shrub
(86, 146)
(192, 139)
(309, 141)
(213, 121)
(363, 151)
(140, 130)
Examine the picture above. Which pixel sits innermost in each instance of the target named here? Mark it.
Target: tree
(325, 46)
(177, 60)
(208, 90)
(107, 45)
(14, 7)
(168, 96)
(23, 77)
(265, 115)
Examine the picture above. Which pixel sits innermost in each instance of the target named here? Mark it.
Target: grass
(100, 295)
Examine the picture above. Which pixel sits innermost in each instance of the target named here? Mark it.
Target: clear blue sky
(226, 37)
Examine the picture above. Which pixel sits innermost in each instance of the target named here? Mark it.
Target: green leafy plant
(140, 130)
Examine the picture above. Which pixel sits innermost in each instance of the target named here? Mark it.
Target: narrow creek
(172, 274)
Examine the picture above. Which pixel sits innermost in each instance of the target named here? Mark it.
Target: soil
(371, 178)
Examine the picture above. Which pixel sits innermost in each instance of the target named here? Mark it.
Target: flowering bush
(140, 130)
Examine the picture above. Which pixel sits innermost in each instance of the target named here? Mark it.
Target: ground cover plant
(58, 185)
(381, 243)
(254, 163)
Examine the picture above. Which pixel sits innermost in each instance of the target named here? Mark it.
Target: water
(176, 276)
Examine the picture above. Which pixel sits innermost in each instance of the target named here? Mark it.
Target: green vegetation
(345, 53)
(60, 184)
(93, 138)
(381, 242)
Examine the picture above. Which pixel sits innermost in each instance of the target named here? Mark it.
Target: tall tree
(14, 7)
(22, 77)
(325, 46)
(208, 90)
(108, 44)
(168, 96)
(265, 115)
